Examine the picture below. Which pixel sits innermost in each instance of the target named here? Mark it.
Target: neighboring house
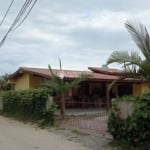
(94, 89)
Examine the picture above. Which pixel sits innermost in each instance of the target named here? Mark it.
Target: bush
(49, 115)
(28, 104)
(135, 129)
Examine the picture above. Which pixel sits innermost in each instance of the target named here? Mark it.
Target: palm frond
(54, 83)
(145, 70)
(123, 57)
(126, 75)
(114, 82)
(60, 64)
(140, 36)
(59, 85)
(51, 71)
(76, 82)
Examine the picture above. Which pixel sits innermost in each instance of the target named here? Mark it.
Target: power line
(27, 14)
(6, 12)
(20, 18)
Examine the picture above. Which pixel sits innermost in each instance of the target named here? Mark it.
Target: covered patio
(94, 94)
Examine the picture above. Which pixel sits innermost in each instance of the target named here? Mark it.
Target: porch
(94, 95)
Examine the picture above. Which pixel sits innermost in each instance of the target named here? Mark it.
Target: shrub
(28, 104)
(133, 130)
(49, 115)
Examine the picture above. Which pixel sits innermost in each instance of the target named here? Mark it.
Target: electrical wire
(6, 12)
(22, 15)
(25, 15)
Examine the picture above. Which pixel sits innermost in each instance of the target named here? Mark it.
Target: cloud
(81, 33)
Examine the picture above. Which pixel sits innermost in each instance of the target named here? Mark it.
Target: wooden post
(116, 90)
(62, 106)
(83, 96)
(107, 98)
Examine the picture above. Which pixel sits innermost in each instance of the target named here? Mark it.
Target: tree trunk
(62, 107)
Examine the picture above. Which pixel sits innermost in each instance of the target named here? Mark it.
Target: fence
(88, 118)
(1, 103)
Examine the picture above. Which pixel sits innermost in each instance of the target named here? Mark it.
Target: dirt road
(15, 135)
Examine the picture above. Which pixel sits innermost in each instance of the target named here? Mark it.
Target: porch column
(107, 97)
(117, 90)
(82, 94)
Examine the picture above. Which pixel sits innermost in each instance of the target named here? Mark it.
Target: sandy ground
(88, 140)
(15, 135)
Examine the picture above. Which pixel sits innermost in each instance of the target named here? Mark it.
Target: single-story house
(94, 89)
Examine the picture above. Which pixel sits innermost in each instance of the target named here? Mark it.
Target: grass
(118, 145)
(19, 118)
(27, 120)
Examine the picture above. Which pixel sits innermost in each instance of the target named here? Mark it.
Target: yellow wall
(27, 81)
(139, 89)
(36, 81)
(22, 82)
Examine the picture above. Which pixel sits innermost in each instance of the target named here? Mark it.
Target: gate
(90, 118)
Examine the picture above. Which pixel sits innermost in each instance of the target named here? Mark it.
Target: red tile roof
(71, 74)
(46, 73)
(107, 71)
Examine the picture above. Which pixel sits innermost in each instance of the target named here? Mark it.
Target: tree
(4, 85)
(60, 86)
(134, 66)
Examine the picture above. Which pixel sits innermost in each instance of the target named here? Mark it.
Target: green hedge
(29, 104)
(135, 129)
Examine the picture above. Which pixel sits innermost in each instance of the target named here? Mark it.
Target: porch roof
(69, 74)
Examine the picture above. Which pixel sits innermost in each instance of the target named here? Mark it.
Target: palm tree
(133, 64)
(60, 86)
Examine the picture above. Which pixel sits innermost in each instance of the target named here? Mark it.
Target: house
(94, 89)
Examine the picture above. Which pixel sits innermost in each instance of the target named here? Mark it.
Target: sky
(82, 33)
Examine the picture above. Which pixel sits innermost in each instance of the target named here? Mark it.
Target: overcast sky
(81, 32)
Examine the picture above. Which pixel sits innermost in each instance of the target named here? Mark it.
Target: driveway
(15, 135)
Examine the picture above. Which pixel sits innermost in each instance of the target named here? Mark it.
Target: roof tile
(70, 74)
